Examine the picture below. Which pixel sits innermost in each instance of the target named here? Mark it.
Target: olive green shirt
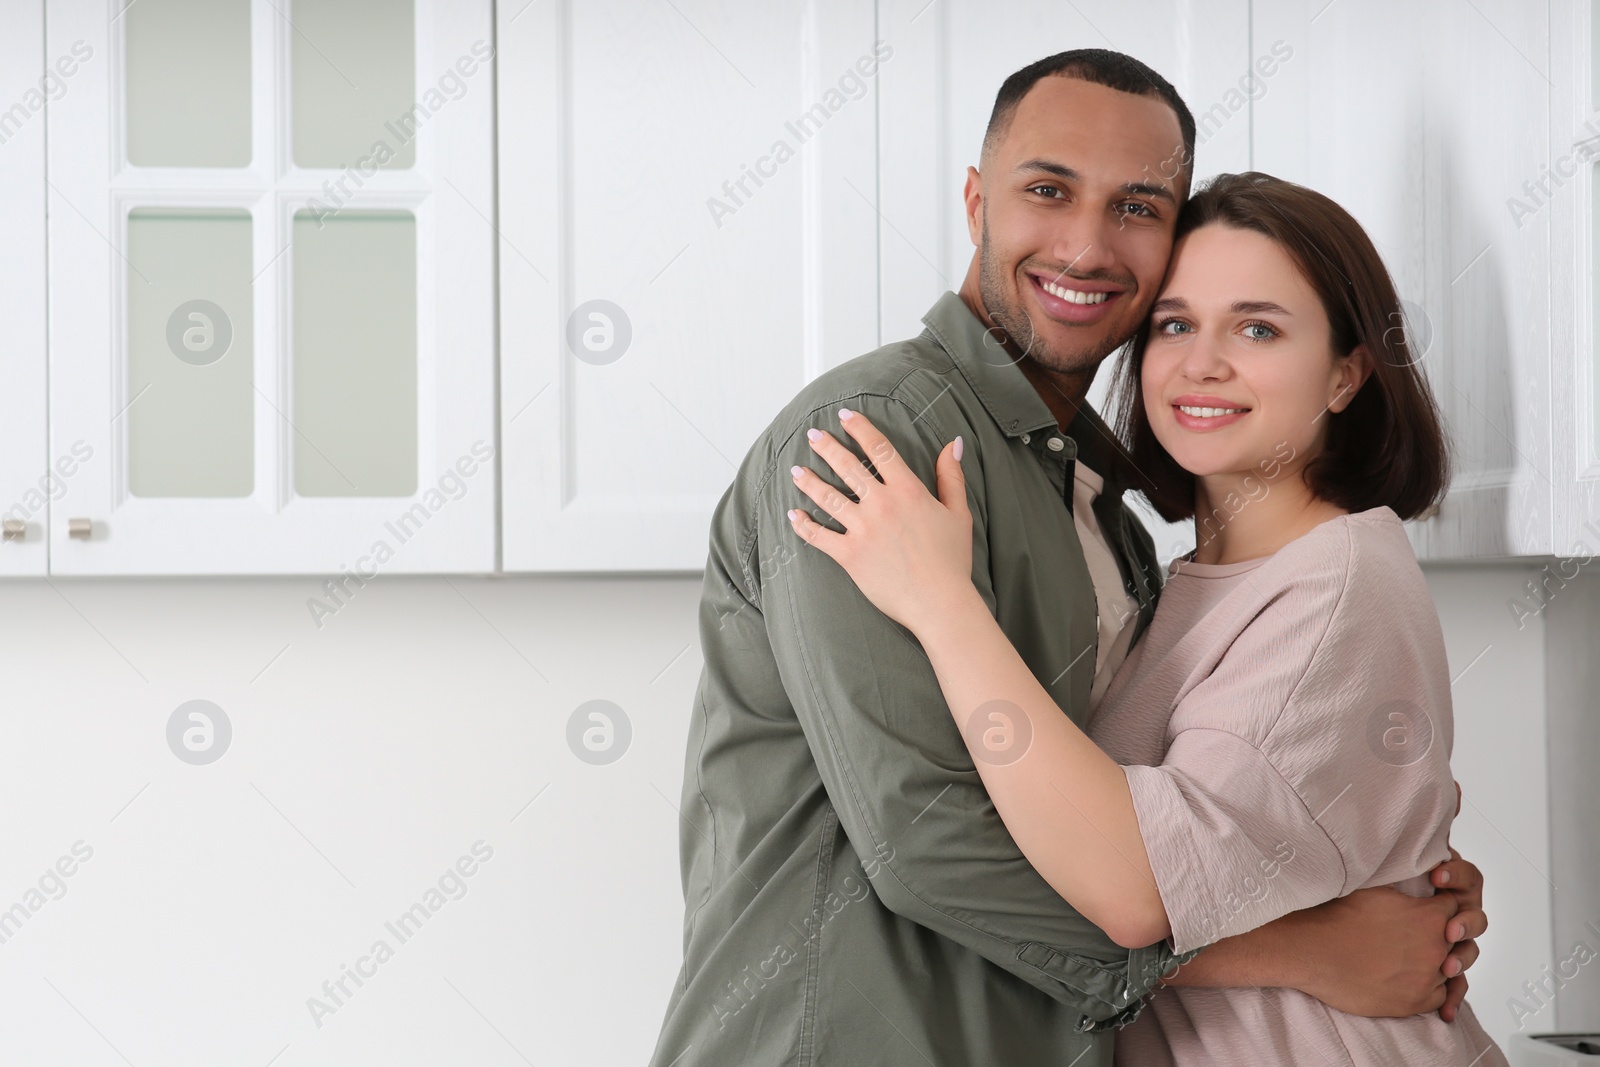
(851, 895)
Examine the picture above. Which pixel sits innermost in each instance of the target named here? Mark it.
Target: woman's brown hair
(1387, 446)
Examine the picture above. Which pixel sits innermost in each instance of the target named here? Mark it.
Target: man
(852, 897)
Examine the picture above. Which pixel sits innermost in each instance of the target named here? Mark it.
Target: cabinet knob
(78, 528)
(15, 530)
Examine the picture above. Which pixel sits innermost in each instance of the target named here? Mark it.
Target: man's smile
(1073, 301)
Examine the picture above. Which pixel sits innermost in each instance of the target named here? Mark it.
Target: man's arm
(894, 765)
(1376, 952)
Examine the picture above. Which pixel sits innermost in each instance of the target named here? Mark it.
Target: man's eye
(1049, 189)
(1135, 207)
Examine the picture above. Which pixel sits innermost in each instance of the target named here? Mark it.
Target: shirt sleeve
(1312, 761)
(894, 764)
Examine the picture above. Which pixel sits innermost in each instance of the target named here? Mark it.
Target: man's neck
(1063, 392)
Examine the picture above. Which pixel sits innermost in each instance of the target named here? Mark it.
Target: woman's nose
(1204, 360)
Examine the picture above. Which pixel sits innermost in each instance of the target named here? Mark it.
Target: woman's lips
(1205, 422)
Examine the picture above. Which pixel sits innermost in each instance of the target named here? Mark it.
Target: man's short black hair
(1102, 67)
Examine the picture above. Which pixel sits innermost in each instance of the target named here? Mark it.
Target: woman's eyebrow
(1259, 307)
(1239, 307)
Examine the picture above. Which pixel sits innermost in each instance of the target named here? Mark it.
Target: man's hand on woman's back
(1463, 881)
(1386, 954)
(1377, 952)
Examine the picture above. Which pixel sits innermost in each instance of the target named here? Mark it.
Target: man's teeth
(1208, 413)
(1072, 295)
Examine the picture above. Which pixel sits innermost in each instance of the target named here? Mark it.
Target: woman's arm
(1065, 802)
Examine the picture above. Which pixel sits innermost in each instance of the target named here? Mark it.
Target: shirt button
(1055, 444)
(1024, 438)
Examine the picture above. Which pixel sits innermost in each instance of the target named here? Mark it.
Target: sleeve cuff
(1117, 993)
(1164, 823)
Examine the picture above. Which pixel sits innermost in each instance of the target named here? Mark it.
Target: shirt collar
(1010, 397)
(989, 368)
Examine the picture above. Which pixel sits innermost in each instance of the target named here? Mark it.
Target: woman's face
(1239, 375)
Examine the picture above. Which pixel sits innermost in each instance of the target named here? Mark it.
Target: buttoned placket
(1061, 453)
(1060, 456)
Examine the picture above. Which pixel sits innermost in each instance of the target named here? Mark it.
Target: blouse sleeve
(1313, 759)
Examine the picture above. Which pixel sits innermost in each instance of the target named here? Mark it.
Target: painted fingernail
(796, 469)
(814, 433)
(958, 448)
(791, 513)
(845, 413)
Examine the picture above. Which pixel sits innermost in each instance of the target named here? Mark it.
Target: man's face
(1073, 215)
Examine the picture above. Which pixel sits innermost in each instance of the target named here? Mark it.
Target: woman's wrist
(950, 612)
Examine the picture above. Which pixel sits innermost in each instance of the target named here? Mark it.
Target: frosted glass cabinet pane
(352, 84)
(355, 354)
(188, 91)
(189, 406)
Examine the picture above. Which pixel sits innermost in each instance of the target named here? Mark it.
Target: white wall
(1500, 759)
(369, 755)
(365, 760)
(1572, 674)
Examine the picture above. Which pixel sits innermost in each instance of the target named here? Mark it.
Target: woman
(1281, 734)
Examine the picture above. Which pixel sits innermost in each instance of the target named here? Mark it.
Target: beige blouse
(1285, 728)
(1115, 607)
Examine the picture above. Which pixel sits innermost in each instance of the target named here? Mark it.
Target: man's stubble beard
(1013, 319)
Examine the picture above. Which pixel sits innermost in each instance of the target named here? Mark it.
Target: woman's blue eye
(1163, 327)
(1267, 331)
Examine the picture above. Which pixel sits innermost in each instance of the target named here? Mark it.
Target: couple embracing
(970, 780)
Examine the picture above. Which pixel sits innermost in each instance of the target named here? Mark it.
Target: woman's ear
(1350, 373)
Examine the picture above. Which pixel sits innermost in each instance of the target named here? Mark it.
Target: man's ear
(1352, 372)
(972, 194)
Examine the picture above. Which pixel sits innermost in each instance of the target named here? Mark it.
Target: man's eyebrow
(1067, 174)
(1160, 192)
(1239, 307)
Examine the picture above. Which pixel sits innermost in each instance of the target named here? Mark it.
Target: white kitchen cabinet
(271, 270)
(29, 80)
(687, 197)
(706, 204)
(1574, 289)
(272, 345)
(1426, 131)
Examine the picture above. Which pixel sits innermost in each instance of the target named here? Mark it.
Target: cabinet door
(1425, 132)
(950, 60)
(271, 269)
(1574, 210)
(687, 198)
(29, 82)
